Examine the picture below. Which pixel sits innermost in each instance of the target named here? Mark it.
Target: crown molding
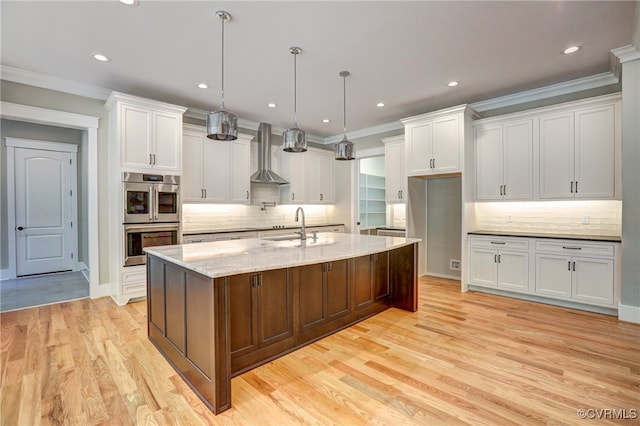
(571, 86)
(53, 83)
(626, 53)
(367, 131)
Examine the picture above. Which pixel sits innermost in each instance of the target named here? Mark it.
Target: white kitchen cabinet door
(292, 168)
(556, 156)
(489, 163)
(518, 161)
(395, 191)
(483, 267)
(553, 275)
(513, 271)
(446, 145)
(136, 138)
(593, 280)
(166, 146)
(216, 168)
(419, 148)
(191, 184)
(240, 177)
(594, 152)
(319, 177)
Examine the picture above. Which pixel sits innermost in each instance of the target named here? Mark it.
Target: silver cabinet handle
(498, 242)
(574, 266)
(399, 194)
(571, 248)
(504, 189)
(150, 159)
(247, 195)
(500, 189)
(321, 197)
(154, 159)
(569, 266)
(572, 187)
(495, 258)
(576, 187)
(499, 258)
(205, 193)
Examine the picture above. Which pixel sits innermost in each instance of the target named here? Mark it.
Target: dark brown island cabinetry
(211, 329)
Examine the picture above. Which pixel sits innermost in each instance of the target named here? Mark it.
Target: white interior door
(44, 191)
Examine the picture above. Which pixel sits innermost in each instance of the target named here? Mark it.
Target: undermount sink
(286, 237)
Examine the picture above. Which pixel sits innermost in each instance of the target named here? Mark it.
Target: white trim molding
(626, 53)
(577, 85)
(629, 313)
(89, 124)
(53, 83)
(367, 131)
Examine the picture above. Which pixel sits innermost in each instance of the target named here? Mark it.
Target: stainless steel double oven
(151, 213)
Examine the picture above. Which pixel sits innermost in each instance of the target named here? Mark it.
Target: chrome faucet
(303, 231)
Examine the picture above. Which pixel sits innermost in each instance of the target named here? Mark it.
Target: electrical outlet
(454, 265)
(585, 220)
(509, 219)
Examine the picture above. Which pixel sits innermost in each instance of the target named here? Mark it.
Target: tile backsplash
(564, 217)
(211, 217)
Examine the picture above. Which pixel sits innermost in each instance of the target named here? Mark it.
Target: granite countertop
(224, 231)
(224, 258)
(604, 238)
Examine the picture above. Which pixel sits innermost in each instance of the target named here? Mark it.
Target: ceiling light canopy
(222, 125)
(380, 104)
(271, 105)
(130, 2)
(203, 85)
(294, 139)
(345, 148)
(452, 84)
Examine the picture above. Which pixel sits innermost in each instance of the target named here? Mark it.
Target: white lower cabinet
(575, 271)
(499, 267)
(581, 278)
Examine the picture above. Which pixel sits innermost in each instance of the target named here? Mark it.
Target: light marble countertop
(224, 258)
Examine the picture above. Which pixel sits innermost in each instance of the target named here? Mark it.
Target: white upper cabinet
(578, 152)
(395, 179)
(434, 142)
(146, 133)
(310, 175)
(215, 171)
(240, 175)
(504, 161)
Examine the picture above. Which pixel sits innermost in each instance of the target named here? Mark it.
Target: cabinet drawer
(575, 248)
(134, 290)
(500, 242)
(134, 275)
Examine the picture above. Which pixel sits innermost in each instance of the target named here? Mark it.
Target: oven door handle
(151, 203)
(155, 205)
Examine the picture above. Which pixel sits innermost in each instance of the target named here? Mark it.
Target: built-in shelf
(373, 206)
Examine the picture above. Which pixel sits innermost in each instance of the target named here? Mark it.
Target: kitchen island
(218, 309)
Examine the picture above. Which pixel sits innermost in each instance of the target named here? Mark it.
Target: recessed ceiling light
(130, 2)
(572, 49)
(325, 120)
(452, 84)
(380, 104)
(271, 105)
(203, 85)
(100, 57)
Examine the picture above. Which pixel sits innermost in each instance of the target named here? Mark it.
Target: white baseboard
(449, 277)
(5, 274)
(629, 313)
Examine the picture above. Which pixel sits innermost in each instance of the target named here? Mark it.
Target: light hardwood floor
(461, 359)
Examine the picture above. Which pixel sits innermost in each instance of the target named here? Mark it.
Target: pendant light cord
(222, 72)
(344, 104)
(295, 94)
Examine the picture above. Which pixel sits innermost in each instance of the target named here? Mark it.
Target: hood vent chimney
(264, 173)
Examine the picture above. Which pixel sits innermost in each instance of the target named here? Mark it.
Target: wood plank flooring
(461, 359)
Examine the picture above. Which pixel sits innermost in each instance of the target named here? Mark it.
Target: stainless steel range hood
(264, 173)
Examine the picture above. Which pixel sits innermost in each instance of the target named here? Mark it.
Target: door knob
(20, 228)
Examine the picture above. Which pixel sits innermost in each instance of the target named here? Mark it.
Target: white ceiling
(399, 53)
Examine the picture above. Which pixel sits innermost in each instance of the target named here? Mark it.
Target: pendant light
(222, 125)
(294, 139)
(345, 148)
